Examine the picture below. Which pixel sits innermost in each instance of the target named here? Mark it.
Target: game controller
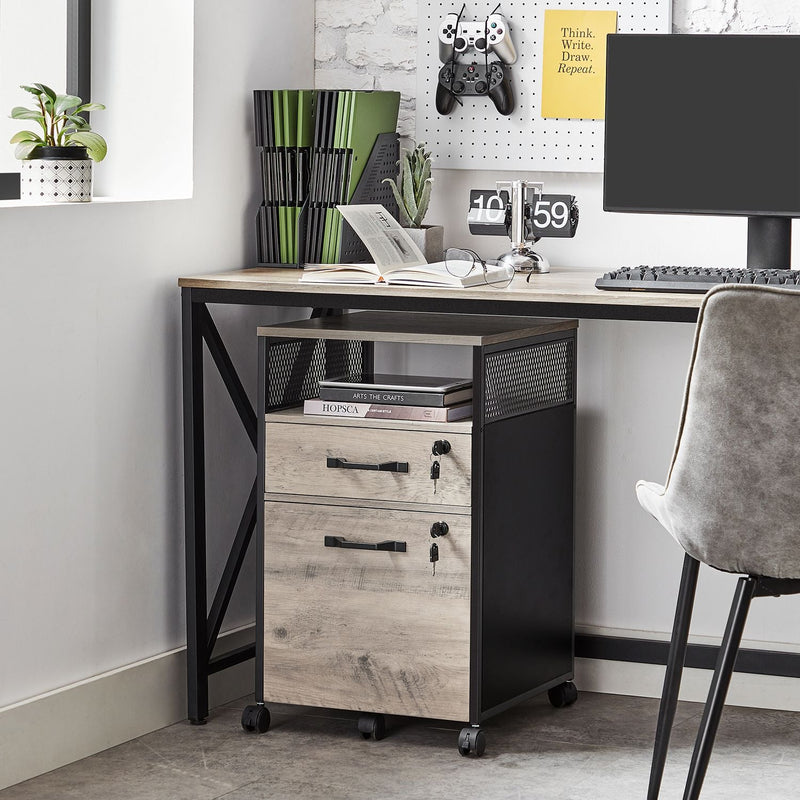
(471, 80)
(489, 35)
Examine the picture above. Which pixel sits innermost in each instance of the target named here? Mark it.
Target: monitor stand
(769, 242)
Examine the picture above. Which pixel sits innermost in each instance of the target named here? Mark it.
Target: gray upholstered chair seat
(740, 545)
(732, 495)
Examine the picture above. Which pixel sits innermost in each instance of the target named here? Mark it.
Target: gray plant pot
(57, 175)
(429, 239)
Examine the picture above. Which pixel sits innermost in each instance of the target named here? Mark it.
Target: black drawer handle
(387, 466)
(340, 541)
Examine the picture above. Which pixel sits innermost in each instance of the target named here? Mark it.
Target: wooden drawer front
(297, 463)
(363, 629)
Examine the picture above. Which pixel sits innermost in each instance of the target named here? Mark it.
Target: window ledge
(93, 201)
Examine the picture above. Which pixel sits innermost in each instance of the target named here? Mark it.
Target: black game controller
(471, 80)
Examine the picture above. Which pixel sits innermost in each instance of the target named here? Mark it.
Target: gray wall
(91, 551)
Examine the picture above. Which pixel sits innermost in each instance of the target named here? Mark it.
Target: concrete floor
(598, 749)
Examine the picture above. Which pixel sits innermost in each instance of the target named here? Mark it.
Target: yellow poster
(574, 63)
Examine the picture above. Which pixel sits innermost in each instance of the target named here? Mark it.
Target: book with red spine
(338, 408)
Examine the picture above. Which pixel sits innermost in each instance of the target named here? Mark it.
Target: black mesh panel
(295, 367)
(529, 379)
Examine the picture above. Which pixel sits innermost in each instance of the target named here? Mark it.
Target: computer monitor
(707, 124)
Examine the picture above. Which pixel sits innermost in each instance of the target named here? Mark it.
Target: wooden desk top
(562, 292)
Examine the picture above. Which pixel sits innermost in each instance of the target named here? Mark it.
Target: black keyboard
(693, 279)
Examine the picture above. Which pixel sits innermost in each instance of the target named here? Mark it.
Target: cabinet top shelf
(475, 330)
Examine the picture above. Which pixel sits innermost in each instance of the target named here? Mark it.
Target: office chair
(732, 496)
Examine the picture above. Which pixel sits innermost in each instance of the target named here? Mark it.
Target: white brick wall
(736, 16)
(371, 44)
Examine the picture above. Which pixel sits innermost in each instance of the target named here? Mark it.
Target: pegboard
(475, 135)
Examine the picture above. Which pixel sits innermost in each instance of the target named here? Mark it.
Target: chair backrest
(733, 491)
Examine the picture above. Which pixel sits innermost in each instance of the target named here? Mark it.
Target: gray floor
(597, 749)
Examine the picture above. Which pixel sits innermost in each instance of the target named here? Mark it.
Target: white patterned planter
(53, 178)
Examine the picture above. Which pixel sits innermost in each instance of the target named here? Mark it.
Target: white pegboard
(475, 135)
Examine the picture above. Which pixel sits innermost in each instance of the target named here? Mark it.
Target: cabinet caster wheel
(565, 694)
(255, 719)
(471, 741)
(372, 726)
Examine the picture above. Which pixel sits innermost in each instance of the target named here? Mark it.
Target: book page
(434, 274)
(344, 267)
(461, 273)
(387, 242)
(338, 274)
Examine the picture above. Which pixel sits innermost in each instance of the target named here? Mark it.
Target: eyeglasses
(460, 263)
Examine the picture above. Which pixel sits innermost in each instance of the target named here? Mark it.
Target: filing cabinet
(353, 612)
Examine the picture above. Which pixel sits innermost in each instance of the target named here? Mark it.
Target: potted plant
(412, 191)
(57, 160)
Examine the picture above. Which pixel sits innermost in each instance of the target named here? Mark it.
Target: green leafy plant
(59, 117)
(412, 189)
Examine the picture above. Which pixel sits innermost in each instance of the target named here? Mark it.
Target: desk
(561, 293)
(566, 293)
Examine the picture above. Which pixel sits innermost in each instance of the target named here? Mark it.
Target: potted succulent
(57, 160)
(412, 191)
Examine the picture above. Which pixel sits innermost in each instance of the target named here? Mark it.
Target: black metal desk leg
(195, 509)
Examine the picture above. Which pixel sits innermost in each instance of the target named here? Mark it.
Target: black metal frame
(79, 73)
(303, 297)
(501, 674)
(202, 629)
(198, 329)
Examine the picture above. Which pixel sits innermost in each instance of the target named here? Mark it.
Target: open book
(397, 259)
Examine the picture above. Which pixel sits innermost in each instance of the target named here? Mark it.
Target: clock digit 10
(487, 212)
(547, 215)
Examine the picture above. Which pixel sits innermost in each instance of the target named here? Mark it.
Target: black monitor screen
(703, 124)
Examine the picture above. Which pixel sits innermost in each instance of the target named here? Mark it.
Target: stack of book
(403, 397)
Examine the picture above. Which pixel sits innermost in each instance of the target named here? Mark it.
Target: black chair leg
(745, 589)
(672, 678)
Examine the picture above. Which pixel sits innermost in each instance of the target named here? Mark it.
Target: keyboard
(693, 279)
